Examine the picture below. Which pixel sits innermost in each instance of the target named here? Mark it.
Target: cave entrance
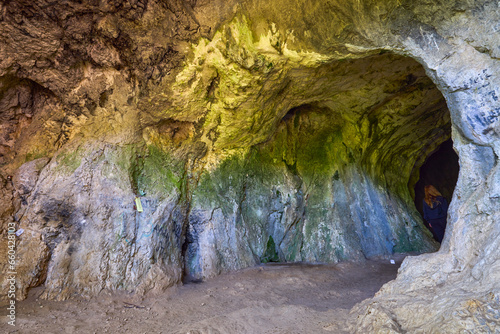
(440, 169)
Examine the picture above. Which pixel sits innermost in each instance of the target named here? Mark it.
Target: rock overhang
(204, 98)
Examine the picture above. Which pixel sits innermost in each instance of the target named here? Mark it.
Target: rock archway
(233, 122)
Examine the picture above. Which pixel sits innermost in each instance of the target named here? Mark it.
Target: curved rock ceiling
(249, 131)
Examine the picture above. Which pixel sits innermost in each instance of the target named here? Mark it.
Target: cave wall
(304, 190)
(237, 121)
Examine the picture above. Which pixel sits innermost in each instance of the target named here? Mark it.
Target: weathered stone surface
(236, 122)
(307, 190)
(26, 176)
(84, 215)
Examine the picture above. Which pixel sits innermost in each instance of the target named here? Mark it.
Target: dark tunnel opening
(440, 169)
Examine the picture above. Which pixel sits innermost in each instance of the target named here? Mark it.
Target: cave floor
(272, 298)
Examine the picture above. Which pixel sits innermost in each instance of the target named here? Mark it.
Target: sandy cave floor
(272, 298)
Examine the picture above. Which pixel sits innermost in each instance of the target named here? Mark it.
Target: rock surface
(251, 131)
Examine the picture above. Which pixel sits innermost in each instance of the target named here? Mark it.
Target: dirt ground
(272, 298)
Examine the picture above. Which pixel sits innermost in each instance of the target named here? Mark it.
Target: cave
(147, 144)
(364, 128)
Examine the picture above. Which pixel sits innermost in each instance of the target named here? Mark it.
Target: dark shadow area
(440, 170)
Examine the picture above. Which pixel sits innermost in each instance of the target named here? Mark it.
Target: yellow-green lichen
(30, 156)
(70, 160)
(157, 173)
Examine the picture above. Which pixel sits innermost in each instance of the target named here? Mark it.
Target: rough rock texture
(311, 186)
(251, 131)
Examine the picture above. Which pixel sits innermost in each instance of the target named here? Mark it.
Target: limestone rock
(25, 178)
(237, 121)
